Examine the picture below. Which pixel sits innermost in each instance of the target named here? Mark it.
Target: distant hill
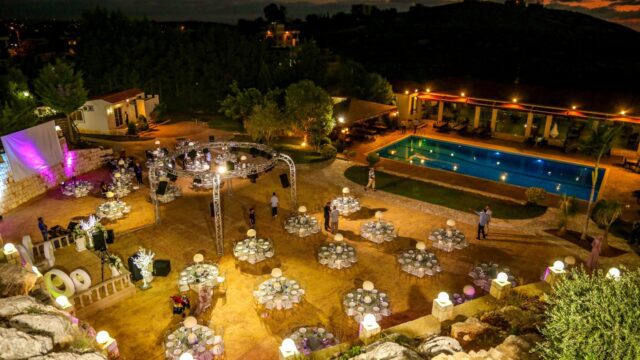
(488, 41)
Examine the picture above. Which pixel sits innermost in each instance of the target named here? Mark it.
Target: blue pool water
(520, 170)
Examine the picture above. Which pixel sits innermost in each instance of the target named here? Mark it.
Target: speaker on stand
(162, 188)
(284, 180)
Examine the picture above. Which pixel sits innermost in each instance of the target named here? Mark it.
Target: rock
(15, 344)
(70, 356)
(436, 345)
(388, 351)
(469, 330)
(518, 347)
(14, 280)
(56, 326)
(12, 306)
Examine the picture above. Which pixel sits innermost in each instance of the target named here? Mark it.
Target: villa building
(520, 121)
(281, 37)
(111, 113)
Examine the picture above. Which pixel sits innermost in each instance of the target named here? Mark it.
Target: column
(440, 111)
(527, 129)
(476, 118)
(494, 118)
(547, 126)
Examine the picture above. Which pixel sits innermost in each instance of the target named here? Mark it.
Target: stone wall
(14, 193)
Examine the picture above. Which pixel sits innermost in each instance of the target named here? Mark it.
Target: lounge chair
(632, 164)
(444, 128)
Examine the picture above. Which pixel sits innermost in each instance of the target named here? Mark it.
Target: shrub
(351, 154)
(535, 195)
(593, 317)
(325, 140)
(132, 129)
(568, 209)
(328, 151)
(143, 123)
(373, 158)
(339, 144)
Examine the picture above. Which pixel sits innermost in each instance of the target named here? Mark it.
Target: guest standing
(274, 205)
(252, 218)
(403, 127)
(415, 125)
(482, 222)
(335, 216)
(371, 184)
(104, 188)
(44, 229)
(327, 215)
(489, 213)
(596, 248)
(138, 170)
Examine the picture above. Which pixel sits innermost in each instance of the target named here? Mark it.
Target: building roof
(355, 110)
(119, 96)
(608, 103)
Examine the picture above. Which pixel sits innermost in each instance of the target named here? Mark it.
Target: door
(118, 115)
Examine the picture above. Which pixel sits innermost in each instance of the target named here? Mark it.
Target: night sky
(626, 12)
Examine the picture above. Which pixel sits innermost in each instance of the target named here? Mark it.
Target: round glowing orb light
(276, 272)
(288, 346)
(9, 248)
(186, 356)
(420, 245)
(222, 169)
(369, 320)
(502, 277)
(443, 297)
(558, 265)
(63, 301)
(368, 285)
(302, 209)
(102, 337)
(345, 190)
(451, 223)
(190, 322)
(379, 214)
(613, 273)
(338, 237)
(198, 258)
(251, 233)
(469, 291)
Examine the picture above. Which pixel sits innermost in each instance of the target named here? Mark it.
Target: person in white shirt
(274, 205)
(371, 184)
(489, 213)
(335, 216)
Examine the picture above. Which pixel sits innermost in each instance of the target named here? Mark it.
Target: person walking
(371, 184)
(327, 215)
(489, 213)
(252, 218)
(415, 125)
(274, 205)
(482, 222)
(403, 127)
(596, 248)
(44, 229)
(335, 216)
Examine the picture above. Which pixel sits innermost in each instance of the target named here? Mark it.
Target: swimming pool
(521, 170)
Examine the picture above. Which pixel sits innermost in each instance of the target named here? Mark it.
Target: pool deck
(618, 184)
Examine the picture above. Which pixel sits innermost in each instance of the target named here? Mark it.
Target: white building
(111, 113)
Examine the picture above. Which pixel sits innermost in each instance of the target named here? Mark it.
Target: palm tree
(568, 209)
(605, 213)
(597, 145)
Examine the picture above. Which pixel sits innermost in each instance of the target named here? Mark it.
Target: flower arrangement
(114, 261)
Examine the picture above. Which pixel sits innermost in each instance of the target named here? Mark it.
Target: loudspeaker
(253, 151)
(212, 138)
(231, 166)
(212, 209)
(284, 180)
(253, 178)
(111, 236)
(133, 269)
(197, 181)
(161, 267)
(99, 243)
(162, 188)
(172, 177)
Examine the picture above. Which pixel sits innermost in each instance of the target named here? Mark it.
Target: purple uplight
(70, 158)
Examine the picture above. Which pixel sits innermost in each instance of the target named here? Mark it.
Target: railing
(104, 294)
(58, 243)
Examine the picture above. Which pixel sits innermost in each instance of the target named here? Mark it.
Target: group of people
(331, 217)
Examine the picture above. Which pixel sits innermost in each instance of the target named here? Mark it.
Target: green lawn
(440, 195)
(224, 123)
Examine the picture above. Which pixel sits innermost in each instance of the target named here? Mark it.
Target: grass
(223, 123)
(444, 196)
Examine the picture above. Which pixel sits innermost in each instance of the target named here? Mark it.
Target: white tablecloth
(207, 344)
(378, 231)
(253, 250)
(337, 255)
(302, 225)
(419, 262)
(359, 302)
(279, 293)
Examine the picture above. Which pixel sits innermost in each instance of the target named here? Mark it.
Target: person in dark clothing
(138, 171)
(252, 218)
(327, 215)
(44, 230)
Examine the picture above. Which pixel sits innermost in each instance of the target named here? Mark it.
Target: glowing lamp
(623, 112)
(443, 297)
(378, 215)
(186, 356)
(369, 320)
(462, 94)
(338, 237)
(345, 190)
(190, 322)
(63, 302)
(502, 277)
(613, 273)
(367, 285)
(420, 245)
(118, 175)
(243, 158)
(251, 233)
(276, 272)
(102, 337)
(109, 194)
(198, 258)
(302, 209)
(514, 100)
(573, 107)
(36, 271)
(428, 90)
(191, 143)
(9, 248)
(341, 119)
(288, 349)
(222, 169)
(503, 177)
(406, 92)
(58, 128)
(451, 223)
(558, 265)
(157, 142)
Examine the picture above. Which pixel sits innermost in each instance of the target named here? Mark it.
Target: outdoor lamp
(613, 273)
(345, 190)
(198, 258)
(64, 303)
(558, 265)
(367, 285)
(276, 272)
(157, 142)
(338, 237)
(186, 356)
(222, 169)
(251, 233)
(190, 322)
(288, 349)
(58, 128)
(442, 308)
(11, 254)
(341, 119)
(9, 248)
(554, 272)
(102, 337)
(369, 327)
(500, 286)
(420, 245)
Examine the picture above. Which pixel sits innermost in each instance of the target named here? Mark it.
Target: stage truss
(243, 160)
